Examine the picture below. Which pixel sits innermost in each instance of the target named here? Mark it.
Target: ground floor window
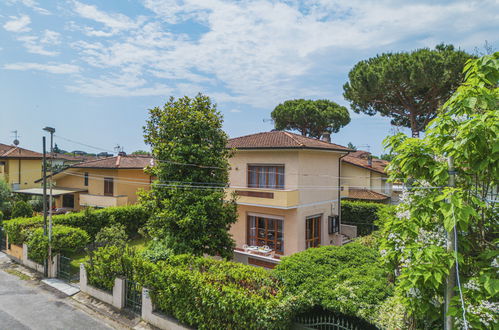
(266, 231)
(313, 231)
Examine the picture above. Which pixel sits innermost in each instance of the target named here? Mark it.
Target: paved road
(28, 305)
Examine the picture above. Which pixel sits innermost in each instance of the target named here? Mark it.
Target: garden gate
(65, 271)
(133, 296)
(325, 320)
(3, 240)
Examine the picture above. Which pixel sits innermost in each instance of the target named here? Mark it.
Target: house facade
(20, 167)
(364, 178)
(288, 193)
(112, 181)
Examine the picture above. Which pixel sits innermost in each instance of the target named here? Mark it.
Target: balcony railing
(267, 197)
(103, 201)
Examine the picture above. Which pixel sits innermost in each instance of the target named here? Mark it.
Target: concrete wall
(116, 298)
(158, 320)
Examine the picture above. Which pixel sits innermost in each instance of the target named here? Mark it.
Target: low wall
(255, 260)
(116, 298)
(158, 320)
(15, 251)
(348, 230)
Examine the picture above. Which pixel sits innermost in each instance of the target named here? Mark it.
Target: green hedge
(132, 217)
(201, 292)
(363, 214)
(346, 279)
(64, 239)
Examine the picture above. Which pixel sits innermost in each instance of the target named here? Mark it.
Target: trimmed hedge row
(201, 292)
(64, 239)
(132, 217)
(363, 214)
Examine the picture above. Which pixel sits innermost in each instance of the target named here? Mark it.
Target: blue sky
(91, 69)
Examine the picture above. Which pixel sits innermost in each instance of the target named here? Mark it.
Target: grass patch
(17, 273)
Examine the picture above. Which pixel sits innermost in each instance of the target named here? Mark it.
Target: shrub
(64, 239)
(36, 203)
(347, 279)
(201, 292)
(1, 217)
(157, 250)
(363, 214)
(112, 235)
(92, 221)
(22, 209)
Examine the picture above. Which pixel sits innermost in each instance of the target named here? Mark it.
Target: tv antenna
(367, 146)
(16, 137)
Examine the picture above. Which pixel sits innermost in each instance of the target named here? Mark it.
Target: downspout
(339, 187)
(19, 174)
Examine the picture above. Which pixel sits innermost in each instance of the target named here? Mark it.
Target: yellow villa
(288, 195)
(19, 167)
(364, 178)
(105, 182)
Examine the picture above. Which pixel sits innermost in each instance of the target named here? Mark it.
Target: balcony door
(108, 186)
(313, 231)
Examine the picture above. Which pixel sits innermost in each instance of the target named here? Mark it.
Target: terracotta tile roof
(366, 194)
(76, 158)
(130, 162)
(359, 158)
(7, 151)
(281, 140)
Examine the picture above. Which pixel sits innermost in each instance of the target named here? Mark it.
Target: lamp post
(51, 130)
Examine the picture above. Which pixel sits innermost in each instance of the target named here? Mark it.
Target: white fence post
(83, 278)
(119, 293)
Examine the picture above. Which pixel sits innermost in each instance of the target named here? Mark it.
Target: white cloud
(18, 24)
(38, 44)
(50, 68)
(113, 22)
(31, 4)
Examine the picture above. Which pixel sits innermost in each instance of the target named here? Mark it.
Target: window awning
(56, 191)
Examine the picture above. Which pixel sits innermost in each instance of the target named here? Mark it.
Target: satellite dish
(16, 142)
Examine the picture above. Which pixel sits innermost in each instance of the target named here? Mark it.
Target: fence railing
(330, 321)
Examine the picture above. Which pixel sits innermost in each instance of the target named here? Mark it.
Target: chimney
(370, 160)
(326, 137)
(121, 153)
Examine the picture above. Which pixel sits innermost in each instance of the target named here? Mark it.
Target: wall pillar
(119, 293)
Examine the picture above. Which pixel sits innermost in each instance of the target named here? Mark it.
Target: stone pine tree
(192, 213)
(311, 118)
(408, 87)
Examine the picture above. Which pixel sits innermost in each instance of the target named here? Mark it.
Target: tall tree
(311, 118)
(408, 87)
(191, 211)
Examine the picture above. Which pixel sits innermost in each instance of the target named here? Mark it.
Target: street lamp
(51, 130)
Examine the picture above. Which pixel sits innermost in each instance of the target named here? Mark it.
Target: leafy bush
(200, 292)
(64, 239)
(347, 279)
(112, 235)
(92, 221)
(364, 214)
(157, 250)
(1, 217)
(36, 203)
(22, 209)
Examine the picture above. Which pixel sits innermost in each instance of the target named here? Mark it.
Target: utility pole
(51, 130)
(45, 264)
(451, 243)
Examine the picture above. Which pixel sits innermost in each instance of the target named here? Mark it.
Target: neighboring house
(19, 167)
(364, 178)
(112, 181)
(288, 194)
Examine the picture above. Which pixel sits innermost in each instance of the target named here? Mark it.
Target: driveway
(27, 304)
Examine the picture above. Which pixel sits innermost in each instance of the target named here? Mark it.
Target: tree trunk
(414, 126)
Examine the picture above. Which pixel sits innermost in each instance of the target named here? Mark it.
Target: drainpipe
(339, 187)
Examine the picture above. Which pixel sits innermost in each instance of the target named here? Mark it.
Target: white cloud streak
(18, 24)
(50, 68)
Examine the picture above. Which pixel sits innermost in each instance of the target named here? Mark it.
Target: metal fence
(325, 320)
(3, 239)
(65, 271)
(133, 296)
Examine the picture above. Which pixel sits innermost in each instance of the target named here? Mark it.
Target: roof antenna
(366, 146)
(16, 138)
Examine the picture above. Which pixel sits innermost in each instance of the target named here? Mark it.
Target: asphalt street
(26, 304)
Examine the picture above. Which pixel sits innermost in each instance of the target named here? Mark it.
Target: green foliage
(132, 217)
(22, 209)
(109, 262)
(64, 240)
(408, 87)
(141, 152)
(157, 250)
(5, 198)
(200, 292)
(414, 240)
(311, 118)
(1, 217)
(365, 214)
(347, 279)
(351, 146)
(188, 134)
(36, 203)
(112, 235)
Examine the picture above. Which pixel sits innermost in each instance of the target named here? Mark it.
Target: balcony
(283, 199)
(103, 201)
